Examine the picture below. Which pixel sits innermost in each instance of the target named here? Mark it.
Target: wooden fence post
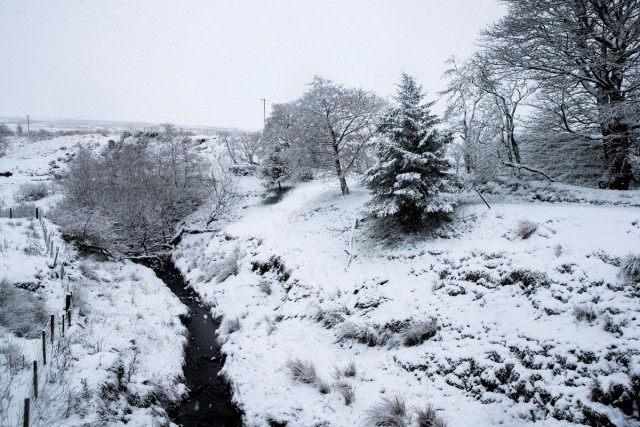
(55, 259)
(52, 320)
(10, 213)
(62, 324)
(37, 216)
(35, 379)
(68, 309)
(25, 419)
(44, 347)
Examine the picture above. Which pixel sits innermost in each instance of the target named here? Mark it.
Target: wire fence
(50, 356)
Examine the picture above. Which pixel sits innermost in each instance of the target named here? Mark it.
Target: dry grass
(428, 417)
(630, 266)
(390, 412)
(22, 312)
(526, 228)
(302, 371)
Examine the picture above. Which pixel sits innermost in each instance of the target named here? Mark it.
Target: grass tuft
(22, 312)
(302, 371)
(428, 417)
(390, 412)
(630, 266)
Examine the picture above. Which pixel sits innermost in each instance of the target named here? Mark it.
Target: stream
(209, 400)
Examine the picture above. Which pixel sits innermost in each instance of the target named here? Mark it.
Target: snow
(462, 274)
(515, 342)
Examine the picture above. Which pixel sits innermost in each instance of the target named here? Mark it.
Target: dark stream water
(209, 400)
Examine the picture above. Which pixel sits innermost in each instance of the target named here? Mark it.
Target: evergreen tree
(412, 176)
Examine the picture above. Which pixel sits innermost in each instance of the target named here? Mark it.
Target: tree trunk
(616, 141)
(343, 181)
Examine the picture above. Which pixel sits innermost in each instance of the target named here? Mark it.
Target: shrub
(630, 266)
(526, 228)
(22, 312)
(585, 312)
(323, 386)
(391, 412)
(14, 358)
(428, 417)
(30, 192)
(419, 332)
(302, 371)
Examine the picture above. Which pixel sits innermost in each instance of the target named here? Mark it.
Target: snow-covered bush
(390, 411)
(630, 266)
(419, 332)
(585, 312)
(31, 192)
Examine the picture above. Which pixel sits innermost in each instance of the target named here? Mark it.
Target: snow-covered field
(323, 322)
(485, 326)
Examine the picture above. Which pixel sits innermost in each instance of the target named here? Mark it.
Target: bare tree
(329, 127)
(242, 146)
(580, 49)
(343, 120)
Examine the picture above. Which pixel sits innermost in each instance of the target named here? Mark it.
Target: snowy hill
(469, 318)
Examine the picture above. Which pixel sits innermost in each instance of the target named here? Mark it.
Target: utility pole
(264, 112)
(28, 131)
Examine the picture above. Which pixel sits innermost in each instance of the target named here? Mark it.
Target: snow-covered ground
(485, 326)
(468, 317)
(121, 360)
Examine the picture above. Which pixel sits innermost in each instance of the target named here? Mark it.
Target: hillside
(329, 324)
(467, 317)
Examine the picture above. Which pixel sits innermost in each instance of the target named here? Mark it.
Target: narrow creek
(209, 400)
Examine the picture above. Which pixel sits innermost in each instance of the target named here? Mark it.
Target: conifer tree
(412, 178)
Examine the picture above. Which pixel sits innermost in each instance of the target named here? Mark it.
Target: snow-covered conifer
(412, 178)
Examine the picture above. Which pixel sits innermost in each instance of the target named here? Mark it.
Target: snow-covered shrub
(614, 325)
(585, 312)
(630, 266)
(346, 391)
(30, 192)
(303, 371)
(419, 332)
(615, 390)
(11, 351)
(526, 228)
(528, 280)
(22, 312)
(428, 417)
(331, 316)
(390, 412)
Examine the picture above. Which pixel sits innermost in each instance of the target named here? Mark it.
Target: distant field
(49, 124)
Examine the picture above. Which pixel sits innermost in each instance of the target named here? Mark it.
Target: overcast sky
(210, 62)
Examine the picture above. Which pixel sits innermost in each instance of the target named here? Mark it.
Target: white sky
(211, 62)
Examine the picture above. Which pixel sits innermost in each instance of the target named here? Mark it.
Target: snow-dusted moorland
(485, 326)
(332, 318)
